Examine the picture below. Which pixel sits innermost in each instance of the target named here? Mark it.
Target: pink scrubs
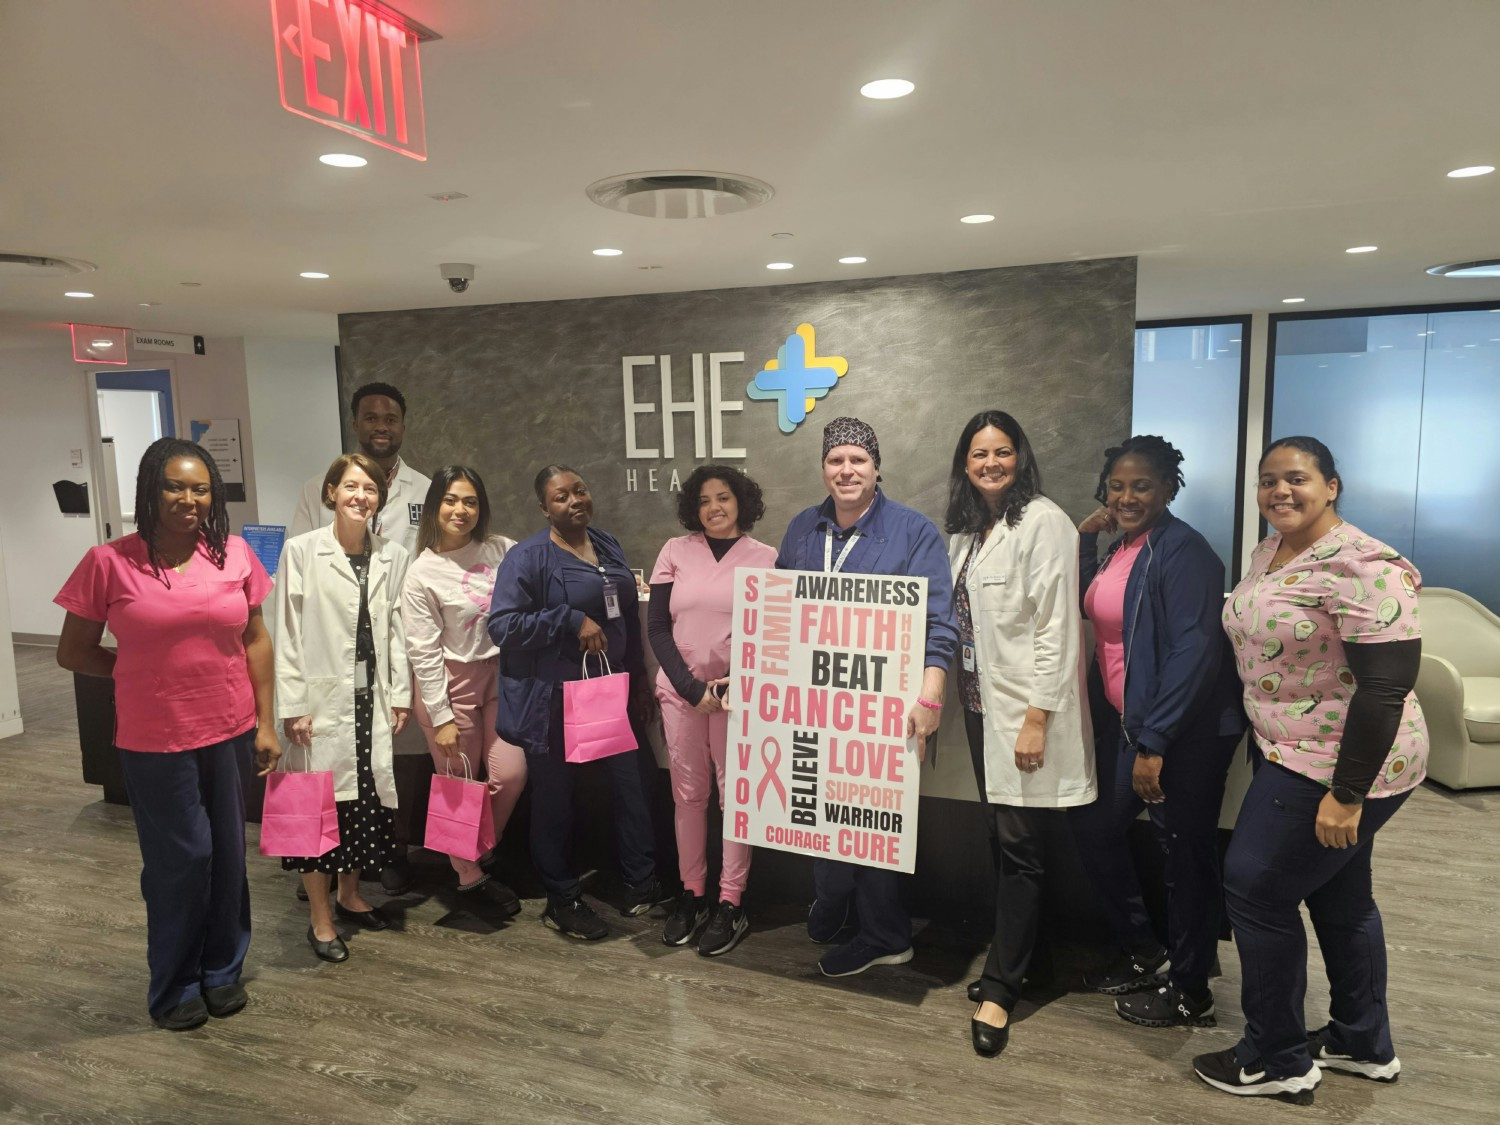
(702, 608)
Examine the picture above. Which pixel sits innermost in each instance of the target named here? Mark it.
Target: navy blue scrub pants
(551, 782)
(884, 924)
(1274, 864)
(1186, 825)
(189, 812)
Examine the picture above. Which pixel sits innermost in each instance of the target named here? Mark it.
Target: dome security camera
(457, 275)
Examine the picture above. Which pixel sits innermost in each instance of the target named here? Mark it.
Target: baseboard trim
(47, 640)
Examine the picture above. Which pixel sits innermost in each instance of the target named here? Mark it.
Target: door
(131, 409)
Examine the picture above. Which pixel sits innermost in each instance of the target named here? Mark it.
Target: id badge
(968, 658)
(361, 676)
(611, 599)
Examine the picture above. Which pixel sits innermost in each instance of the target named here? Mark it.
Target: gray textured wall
(508, 388)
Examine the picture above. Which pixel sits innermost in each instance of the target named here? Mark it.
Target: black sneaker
(494, 893)
(828, 920)
(395, 880)
(640, 899)
(724, 930)
(1167, 1007)
(1129, 972)
(1327, 1058)
(575, 918)
(690, 912)
(1222, 1071)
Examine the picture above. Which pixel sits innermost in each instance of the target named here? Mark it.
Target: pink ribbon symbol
(771, 777)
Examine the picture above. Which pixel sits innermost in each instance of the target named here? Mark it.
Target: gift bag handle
(607, 669)
(283, 764)
(448, 765)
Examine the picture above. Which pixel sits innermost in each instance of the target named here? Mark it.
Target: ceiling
(1236, 146)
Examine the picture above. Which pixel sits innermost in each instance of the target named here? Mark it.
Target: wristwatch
(1346, 796)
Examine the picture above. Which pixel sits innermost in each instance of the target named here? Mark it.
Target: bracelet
(928, 705)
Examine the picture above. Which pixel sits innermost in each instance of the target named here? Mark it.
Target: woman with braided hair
(193, 698)
(1165, 700)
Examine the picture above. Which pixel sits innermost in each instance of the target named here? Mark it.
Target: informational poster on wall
(823, 670)
(221, 437)
(265, 541)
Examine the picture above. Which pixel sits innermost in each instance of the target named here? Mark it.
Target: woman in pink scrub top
(1167, 717)
(692, 598)
(193, 701)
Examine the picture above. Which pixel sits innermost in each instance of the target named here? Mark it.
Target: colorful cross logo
(797, 378)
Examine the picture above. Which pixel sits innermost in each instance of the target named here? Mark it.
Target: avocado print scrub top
(1289, 627)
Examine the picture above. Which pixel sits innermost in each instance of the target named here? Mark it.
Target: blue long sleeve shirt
(893, 539)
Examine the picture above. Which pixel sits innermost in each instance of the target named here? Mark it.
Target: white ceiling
(1237, 146)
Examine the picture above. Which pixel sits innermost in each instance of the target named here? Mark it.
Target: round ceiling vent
(41, 265)
(680, 195)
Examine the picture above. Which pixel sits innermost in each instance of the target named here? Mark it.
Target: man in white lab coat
(377, 415)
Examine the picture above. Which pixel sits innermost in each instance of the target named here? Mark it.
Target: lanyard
(828, 560)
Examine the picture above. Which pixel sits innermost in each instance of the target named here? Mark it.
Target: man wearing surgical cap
(857, 529)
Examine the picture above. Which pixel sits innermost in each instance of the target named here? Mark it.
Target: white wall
(295, 411)
(10, 696)
(44, 415)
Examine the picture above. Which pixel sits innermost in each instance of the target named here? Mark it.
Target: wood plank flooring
(448, 1018)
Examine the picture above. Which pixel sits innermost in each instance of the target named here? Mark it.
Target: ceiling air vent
(680, 195)
(41, 265)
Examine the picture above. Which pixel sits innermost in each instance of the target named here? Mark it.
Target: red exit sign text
(353, 64)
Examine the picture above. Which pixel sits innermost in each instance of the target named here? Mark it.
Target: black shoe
(575, 918)
(395, 879)
(724, 931)
(371, 919)
(225, 999)
(1129, 972)
(186, 1016)
(640, 899)
(301, 892)
(1325, 1057)
(827, 920)
(689, 912)
(1222, 1071)
(334, 950)
(496, 893)
(988, 1040)
(1167, 1007)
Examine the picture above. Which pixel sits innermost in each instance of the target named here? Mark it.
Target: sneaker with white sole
(1129, 972)
(1168, 1006)
(1222, 1071)
(690, 912)
(856, 956)
(724, 930)
(575, 918)
(1327, 1058)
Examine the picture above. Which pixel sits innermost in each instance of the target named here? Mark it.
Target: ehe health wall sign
(824, 668)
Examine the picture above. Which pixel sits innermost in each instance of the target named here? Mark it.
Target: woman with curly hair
(1165, 702)
(193, 697)
(692, 599)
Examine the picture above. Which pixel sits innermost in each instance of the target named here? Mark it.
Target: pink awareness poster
(824, 668)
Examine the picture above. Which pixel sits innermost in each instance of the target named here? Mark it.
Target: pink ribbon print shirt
(1289, 628)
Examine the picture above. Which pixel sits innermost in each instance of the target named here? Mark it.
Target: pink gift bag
(300, 818)
(596, 715)
(460, 818)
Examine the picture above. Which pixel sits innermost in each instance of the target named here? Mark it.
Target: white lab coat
(317, 615)
(397, 520)
(1028, 645)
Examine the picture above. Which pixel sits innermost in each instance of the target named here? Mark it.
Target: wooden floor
(450, 1019)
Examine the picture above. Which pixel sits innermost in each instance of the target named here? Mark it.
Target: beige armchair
(1459, 689)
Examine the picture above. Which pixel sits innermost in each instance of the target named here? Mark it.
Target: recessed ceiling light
(778, 265)
(1292, 300)
(977, 219)
(1471, 345)
(1361, 249)
(148, 304)
(853, 261)
(1387, 345)
(883, 88)
(343, 160)
(783, 234)
(1322, 365)
(101, 344)
(607, 252)
(1472, 170)
(1488, 267)
(77, 293)
(313, 274)
(1236, 340)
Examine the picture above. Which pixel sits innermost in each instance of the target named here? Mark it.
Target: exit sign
(353, 65)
